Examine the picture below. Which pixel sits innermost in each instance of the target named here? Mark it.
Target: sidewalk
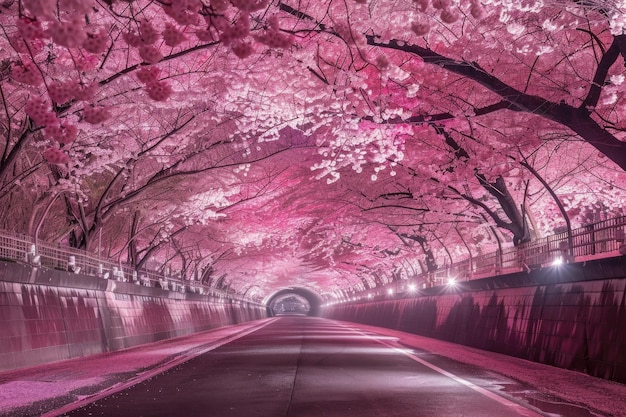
(35, 391)
(40, 389)
(601, 396)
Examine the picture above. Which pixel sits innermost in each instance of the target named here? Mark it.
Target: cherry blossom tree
(331, 144)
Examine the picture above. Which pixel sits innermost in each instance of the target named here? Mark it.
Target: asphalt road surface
(304, 366)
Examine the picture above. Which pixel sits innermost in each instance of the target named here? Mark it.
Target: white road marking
(151, 373)
(520, 410)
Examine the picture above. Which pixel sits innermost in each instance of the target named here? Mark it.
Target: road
(305, 366)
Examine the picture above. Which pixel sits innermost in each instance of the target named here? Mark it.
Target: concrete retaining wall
(579, 325)
(48, 315)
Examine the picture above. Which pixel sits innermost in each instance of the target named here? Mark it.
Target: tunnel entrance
(294, 301)
(290, 304)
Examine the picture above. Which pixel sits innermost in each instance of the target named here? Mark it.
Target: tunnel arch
(315, 299)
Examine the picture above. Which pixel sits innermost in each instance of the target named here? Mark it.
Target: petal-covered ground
(37, 390)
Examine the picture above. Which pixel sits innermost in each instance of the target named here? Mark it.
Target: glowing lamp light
(390, 291)
(369, 295)
(558, 261)
(451, 282)
(412, 288)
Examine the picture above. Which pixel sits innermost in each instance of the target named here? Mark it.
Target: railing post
(33, 257)
(607, 236)
(71, 264)
(498, 261)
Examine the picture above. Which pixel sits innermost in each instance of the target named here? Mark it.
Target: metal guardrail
(604, 239)
(598, 240)
(23, 248)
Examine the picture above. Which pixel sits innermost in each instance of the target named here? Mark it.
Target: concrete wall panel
(49, 315)
(576, 325)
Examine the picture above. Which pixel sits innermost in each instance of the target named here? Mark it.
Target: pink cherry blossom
(56, 156)
(337, 145)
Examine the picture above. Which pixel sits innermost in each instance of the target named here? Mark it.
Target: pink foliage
(150, 54)
(96, 43)
(181, 15)
(56, 156)
(41, 8)
(38, 110)
(148, 33)
(172, 35)
(63, 133)
(314, 142)
(441, 4)
(85, 92)
(26, 73)
(132, 38)
(95, 114)
(419, 28)
(422, 5)
(70, 34)
(250, 5)
(243, 49)
(448, 16)
(205, 35)
(148, 74)
(29, 29)
(158, 90)
(240, 29)
(274, 38)
(477, 10)
(60, 92)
